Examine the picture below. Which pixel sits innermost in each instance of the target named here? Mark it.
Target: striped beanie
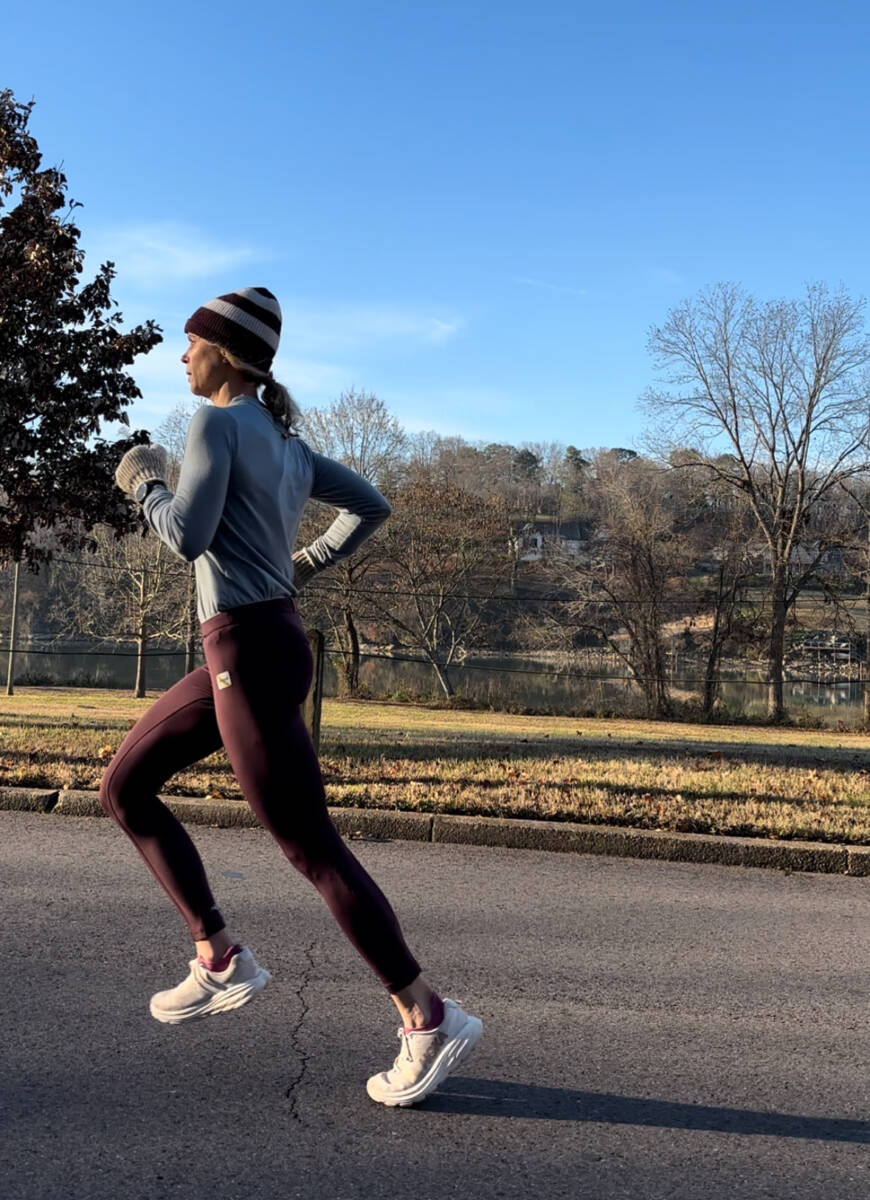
(247, 323)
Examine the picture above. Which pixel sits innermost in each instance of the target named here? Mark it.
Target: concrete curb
(558, 836)
(27, 799)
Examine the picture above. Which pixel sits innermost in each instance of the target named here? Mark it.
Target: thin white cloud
(441, 331)
(317, 329)
(666, 275)
(153, 254)
(467, 410)
(314, 329)
(312, 382)
(324, 351)
(564, 288)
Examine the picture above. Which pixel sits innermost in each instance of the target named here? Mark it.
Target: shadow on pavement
(495, 1098)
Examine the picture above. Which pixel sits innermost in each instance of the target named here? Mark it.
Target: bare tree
(718, 526)
(359, 431)
(857, 557)
(130, 588)
(340, 600)
(172, 435)
(630, 582)
(780, 387)
(444, 557)
(448, 461)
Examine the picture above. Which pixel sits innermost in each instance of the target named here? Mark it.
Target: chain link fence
(825, 677)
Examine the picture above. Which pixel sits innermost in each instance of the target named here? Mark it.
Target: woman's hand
(141, 465)
(303, 568)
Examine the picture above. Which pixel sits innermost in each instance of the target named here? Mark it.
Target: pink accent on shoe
(435, 1018)
(220, 964)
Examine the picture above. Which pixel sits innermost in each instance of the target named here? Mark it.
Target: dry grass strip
(751, 781)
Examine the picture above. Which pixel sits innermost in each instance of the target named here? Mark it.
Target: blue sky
(474, 210)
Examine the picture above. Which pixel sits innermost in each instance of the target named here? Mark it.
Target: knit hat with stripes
(247, 323)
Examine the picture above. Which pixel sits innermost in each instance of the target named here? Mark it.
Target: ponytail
(275, 397)
(280, 404)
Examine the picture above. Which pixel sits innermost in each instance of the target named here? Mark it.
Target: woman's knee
(118, 792)
(108, 793)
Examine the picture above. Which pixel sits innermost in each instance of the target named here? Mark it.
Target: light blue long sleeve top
(241, 493)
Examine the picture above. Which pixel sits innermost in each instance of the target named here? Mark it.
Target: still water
(508, 681)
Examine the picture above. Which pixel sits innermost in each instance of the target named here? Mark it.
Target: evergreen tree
(62, 360)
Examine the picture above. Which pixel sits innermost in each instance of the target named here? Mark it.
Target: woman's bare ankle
(416, 1004)
(213, 948)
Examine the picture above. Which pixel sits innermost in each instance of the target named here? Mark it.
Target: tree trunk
(443, 678)
(350, 661)
(141, 642)
(711, 682)
(662, 698)
(776, 651)
(648, 666)
(10, 668)
(867, 634)
(190, 639)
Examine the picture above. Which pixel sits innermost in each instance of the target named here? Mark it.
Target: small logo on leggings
(224, 680)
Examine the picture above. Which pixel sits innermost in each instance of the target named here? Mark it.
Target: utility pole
(141, 637)
(191, 630)
(867, 634)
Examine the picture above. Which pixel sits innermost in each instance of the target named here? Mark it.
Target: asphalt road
(651, 1029)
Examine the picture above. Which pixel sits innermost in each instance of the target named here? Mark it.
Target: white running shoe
(426, 1058)
(205, 992)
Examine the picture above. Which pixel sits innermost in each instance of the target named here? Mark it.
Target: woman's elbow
(189, 548)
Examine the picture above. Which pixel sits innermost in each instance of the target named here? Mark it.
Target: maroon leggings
(247, 698)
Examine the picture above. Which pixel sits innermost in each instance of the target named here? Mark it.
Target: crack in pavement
(291, 1092)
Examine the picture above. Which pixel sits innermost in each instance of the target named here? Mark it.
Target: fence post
(314, 700)
(10, 687)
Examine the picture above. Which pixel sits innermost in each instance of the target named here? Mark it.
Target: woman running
(244, 482)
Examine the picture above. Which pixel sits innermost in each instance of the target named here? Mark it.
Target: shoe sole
(234, 997)
(455, 1052)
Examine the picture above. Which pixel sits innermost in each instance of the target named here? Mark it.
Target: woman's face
(205, 366)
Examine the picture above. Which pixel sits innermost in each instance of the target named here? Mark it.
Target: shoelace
(405, 1051)
(199, 972)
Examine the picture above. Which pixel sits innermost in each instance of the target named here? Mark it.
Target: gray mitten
(139, 465)
(304, 568)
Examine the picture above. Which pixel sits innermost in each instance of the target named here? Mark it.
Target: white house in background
(532, 543)
(527, 544)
